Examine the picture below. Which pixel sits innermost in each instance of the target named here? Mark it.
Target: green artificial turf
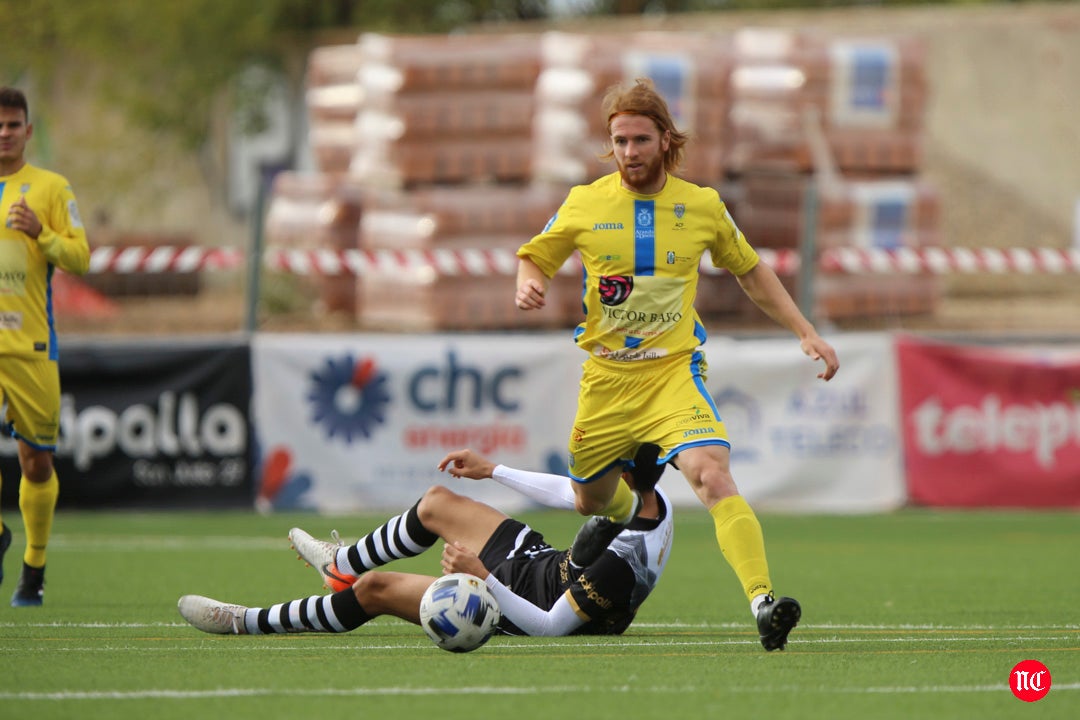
(917, 614)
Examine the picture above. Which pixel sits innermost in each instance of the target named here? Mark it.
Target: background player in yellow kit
(40, 231)
(641, 233)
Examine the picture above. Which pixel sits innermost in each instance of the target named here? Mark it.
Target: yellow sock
(622, 502)
(739, 535)
(38, 504)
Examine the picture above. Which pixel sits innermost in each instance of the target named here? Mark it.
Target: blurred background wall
(1000, 147)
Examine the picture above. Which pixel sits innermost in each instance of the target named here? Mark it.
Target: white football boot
(322, 556)
(212, 616)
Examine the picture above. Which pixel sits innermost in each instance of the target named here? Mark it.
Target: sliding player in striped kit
(641, 233)
(541, 591)
(41, 231)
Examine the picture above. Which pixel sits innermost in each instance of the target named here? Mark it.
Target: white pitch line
(156, 543)
(485, 690)
(904, 627)
(858, 626)
(118, 646)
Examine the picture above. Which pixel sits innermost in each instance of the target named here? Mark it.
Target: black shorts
(521, 559)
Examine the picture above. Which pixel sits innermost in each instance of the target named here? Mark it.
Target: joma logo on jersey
(607, 226)
(699, 431)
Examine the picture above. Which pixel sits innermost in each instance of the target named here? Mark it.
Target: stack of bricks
(885, 213)
(691, 71)
(842, 118)
(869, 96)
(444, 161)
(460, 219)
(445, 109)
(333, 99)
(470, 142)
(315, 209)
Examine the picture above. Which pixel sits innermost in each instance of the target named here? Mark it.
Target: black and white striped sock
(336, 613)
(402, 536)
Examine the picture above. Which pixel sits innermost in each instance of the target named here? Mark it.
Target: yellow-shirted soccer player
(641, 233)
(40, 230)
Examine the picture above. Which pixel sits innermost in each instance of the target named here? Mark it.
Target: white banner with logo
(803, 445)
(356, 422)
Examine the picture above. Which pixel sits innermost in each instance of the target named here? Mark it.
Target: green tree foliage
(163, 62)
(167, 62)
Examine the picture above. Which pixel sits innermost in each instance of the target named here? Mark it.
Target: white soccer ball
(459, 613)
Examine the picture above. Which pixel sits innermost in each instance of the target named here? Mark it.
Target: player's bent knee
(430, 505)
(37, 467)
(372, 588)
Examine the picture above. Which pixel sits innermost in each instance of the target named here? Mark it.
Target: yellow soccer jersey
(641, 255)
(26, 265)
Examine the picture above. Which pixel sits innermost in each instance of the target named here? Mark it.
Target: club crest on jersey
(614, 289)
(680, 210)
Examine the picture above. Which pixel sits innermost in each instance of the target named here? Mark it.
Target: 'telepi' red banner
(990, 427)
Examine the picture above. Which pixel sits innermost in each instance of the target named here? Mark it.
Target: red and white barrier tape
(488, 262)
(439, 262)
(940, 261)
(163, 258)
(442, 262)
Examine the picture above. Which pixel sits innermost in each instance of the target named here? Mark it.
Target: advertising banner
(990, 427)
(151, 426)
(799, 444)
(356, 422)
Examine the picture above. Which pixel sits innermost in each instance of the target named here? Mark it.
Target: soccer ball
(459, 613)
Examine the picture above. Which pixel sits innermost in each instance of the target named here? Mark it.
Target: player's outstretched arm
(555, 491)
(763, 287)
(467, 464)
(817, 349)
